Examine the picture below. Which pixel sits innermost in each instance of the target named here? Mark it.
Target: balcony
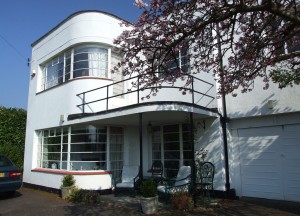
(200, 94)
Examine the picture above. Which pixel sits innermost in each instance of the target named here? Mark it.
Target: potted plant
(68, 182)
(149, 199)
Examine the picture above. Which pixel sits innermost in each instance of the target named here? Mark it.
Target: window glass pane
(65, 148)
(52, 140)
(50, 148)
(51, 156)
(53, 72)
(187, 145)
(172, 155)
(80, 57)
(88, 165)
(88, 147)
(67, 65)
(156, 156)
(171, 137)
(86, 138)
(90, 61)
(95, 147)
(172, 146)
(171, 128)
(187, 154)
(156, 147)
(88, 157)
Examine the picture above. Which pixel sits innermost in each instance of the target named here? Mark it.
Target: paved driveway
(34, 202)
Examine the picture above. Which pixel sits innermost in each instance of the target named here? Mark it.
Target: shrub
(68, 181)
(182, 201)
(12, 134)
(84, 196)
(75, 195)
(148, 188)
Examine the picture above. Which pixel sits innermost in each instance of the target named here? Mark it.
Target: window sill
(65, 172)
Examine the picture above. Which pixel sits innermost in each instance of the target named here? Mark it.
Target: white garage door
(270, 162)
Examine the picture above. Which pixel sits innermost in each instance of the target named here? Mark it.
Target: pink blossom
(140, 4)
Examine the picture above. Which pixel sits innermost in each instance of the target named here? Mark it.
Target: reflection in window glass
(87, 60)
(167, 146)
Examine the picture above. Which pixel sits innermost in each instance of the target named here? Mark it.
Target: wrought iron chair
(206, 173)
(129, 181)
(156, 170)
(182, 183)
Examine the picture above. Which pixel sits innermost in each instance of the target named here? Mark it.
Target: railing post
(107, 97)
(193, 95)
(83, 102)
(138, 90)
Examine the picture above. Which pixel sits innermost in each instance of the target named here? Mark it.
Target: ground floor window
(172, 144)
(84, 147)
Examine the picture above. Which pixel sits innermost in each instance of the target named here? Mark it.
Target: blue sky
(24, 21)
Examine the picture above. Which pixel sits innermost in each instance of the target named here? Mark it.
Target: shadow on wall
(210, 139)
(266, 107)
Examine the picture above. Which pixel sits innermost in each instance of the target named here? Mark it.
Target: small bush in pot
(68, 182)
(149, 201)
(148, 188)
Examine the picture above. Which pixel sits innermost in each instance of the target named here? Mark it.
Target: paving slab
(29, 201)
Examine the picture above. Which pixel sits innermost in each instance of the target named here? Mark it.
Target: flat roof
(70, 17)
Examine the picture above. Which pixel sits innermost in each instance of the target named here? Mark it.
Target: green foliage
(84, 196)
(148, 188)
(12, 134)
(285, 77)
(182, 201)
(68, 181)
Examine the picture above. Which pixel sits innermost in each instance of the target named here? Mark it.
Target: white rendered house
(83, 121)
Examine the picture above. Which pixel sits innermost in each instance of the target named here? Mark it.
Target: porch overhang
(164, 112)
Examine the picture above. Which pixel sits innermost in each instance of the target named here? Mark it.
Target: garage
(270, 162)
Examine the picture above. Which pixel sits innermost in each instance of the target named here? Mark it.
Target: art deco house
(83, 120)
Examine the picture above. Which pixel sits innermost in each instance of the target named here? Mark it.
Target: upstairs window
(171, 66)
(90, 61)
(80, 61)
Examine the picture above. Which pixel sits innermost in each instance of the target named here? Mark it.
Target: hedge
(12, 134)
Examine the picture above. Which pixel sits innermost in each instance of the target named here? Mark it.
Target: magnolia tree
(236, 41)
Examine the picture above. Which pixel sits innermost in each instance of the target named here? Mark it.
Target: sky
(22, 22)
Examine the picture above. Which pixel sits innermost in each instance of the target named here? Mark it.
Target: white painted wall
(210, 139)
(45, 108)
(255, 103)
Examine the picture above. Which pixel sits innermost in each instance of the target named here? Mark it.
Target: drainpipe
(223, 117)
(193, 179)
(141, 143)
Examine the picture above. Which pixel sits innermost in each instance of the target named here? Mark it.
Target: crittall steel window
(172, 145)
(80, 61)
(171, 66)
(76, 147)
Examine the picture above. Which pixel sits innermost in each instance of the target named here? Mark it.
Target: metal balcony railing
(206, 91)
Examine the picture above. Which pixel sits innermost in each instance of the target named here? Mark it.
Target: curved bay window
(81, 147)
(80, 61)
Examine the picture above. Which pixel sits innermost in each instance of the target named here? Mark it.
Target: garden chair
(206, 177)
(182, 183)
(156, 170)
(129, 181)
